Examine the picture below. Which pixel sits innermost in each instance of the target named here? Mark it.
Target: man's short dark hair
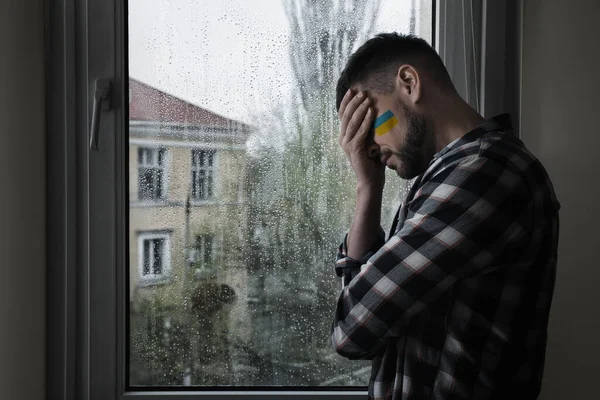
(375, 64)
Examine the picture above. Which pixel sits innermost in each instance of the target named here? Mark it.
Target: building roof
(147, 103)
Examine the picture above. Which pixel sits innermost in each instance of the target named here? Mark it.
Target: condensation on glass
(239, 193)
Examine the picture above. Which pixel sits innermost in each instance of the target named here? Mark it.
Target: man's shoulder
(506, 149)
(492, 148)
(500, 152)
(497, 147)
(511, 153)
(492, 156)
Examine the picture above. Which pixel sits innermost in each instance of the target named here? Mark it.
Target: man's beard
(411, 151)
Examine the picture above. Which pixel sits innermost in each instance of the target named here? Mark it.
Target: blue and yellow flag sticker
(385, 122)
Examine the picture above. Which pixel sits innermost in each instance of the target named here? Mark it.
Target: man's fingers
(365, 126)
(353, 104)
(343, 105)
(345, 100)
(357, 119)
(349, 111)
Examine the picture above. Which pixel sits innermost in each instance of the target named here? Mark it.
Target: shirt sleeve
(346, 267)
(460, 222)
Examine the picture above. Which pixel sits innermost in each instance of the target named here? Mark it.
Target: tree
(302, 196)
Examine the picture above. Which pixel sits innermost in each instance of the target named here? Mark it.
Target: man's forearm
(364, 230)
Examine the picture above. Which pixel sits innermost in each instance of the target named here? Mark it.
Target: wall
(560, 89)
(22, 202)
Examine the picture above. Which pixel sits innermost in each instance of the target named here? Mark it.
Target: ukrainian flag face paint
(385, 122)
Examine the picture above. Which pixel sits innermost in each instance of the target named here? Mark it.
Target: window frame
(86, 213)
(206, 267)
(213, 174)
(164, 167)
(154, 279)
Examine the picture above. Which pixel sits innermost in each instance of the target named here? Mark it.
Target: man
(454, 305)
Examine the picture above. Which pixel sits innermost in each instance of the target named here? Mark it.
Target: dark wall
(22, 201)
(560, 89)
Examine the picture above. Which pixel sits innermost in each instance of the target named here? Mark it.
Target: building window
(203, 163)
(154, 257)
(202, 254)
(151, 176)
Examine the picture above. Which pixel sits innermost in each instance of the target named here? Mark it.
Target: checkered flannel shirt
(454, 305)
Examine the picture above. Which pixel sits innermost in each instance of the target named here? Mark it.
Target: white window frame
(164, 171)
(197, 255)
(154, 279)
(87, 189)
(208, 170)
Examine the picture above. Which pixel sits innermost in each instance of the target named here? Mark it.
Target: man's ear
(408, 82)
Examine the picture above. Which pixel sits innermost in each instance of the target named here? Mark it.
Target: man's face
(398, 136)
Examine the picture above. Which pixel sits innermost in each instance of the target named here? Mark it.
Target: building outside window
(151, 174)
(198, 291)
(203, 164)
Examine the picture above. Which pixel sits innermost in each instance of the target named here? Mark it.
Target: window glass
(202, 174)
(239, 97)
(202, 254)
(154, 257)
(150, 173)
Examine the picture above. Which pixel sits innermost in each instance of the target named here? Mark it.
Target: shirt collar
(500, 122)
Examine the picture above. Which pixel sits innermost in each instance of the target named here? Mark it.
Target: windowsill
(148, 203)
(219, 202)
(166, 203)
(271, 393)
(193, 203)
(155, 281)
(205, 273)
(204, 202)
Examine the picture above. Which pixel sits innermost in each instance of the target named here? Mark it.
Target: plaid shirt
(455, 304)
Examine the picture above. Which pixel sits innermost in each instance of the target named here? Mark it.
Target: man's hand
(356, 120)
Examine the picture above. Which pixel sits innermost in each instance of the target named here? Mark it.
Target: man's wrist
(369, 189)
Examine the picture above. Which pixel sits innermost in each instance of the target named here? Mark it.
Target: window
(256, 87)
(202, 255)
(202, 174)
(151, 174)
(154, 257)
(258, 125)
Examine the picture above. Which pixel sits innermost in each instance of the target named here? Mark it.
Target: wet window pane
(147, 257)
(202, 172)
(239, 192)
(154, 258)
(150, 173)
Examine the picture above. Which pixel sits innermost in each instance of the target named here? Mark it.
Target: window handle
(101, 102)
